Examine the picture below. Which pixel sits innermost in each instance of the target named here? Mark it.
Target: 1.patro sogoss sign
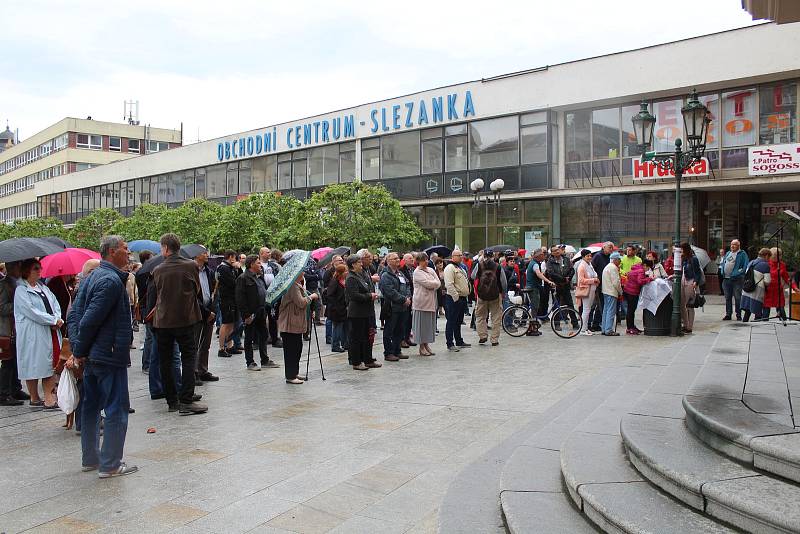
(774, 159)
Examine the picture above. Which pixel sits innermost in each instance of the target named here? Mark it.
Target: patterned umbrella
(70, 261)
(290, 272)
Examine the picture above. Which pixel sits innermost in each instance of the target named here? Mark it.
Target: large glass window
(323, 165)
(739, 118)
(215, 181)
(629, 146)
(432, 151)
(534, 143)
(200, 183)
(188, 181)
(245, 176)
(712, 103)
(264, 174)
(370, 159)
(284, 174)
(494, 143)
(232, 179)
(669, 124)
(605, 133)
(299, 169)
(778, 107)
(400, 154)
(455, 147)
(347, 162)
(576, 135)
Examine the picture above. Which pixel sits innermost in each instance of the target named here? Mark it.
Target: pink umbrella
(320, 252)
(68, 262)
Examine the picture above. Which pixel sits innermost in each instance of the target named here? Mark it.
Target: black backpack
(749, 282)
(488, 288)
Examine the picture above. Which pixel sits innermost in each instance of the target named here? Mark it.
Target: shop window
(576, 135)
(133, 146)
(534, 143)
(734, 159)
(778, 107)
(434, 216)
(669, 124)
(494, 143)
(400, 155)
(535, 177)
(115, 144)
(605, 133)
(738, 118)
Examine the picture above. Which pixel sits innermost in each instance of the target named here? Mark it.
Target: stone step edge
(722, 506)
(515, 522)
(738, 444)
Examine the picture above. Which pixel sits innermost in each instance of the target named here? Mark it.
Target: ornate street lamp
(495, 188)
(695, 124)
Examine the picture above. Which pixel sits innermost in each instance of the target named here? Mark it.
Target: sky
(227, 66)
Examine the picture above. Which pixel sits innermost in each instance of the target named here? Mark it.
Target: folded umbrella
(288, 274)
(68, 261)
(22, 248)
(140, 245)
(320, 252)
(327, 258)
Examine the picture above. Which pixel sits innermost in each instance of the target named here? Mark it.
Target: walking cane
(319, 352)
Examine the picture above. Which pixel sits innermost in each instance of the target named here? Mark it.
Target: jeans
(146, 348)
(105, 388)
(186, 337)
(337, 335)
(732, 288)
(394, 332)
(506, 305)
(154, 370)
(328, 330)
(454, 312)
(609, 313)
(256, 332)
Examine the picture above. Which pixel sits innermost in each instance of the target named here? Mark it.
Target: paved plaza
(370, 451)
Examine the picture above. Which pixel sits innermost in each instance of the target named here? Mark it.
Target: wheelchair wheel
(566, 322)
(516, 320)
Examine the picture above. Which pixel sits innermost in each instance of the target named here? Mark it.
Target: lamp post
(695, 122)
(493, 196)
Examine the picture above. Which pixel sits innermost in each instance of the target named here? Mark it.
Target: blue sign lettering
(349, 126)
(396, 117)
(337, 128)
(410, 108)
(451, 107)
(220, 152)
(325, 126)
(259, 144)
(469, 107)
(250, 147)
(423, 113)
(373, 117)
(436, 104)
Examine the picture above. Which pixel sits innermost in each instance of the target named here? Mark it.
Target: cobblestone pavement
(366, 451)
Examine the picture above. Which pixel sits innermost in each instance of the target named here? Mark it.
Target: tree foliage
(355, 215)
(90, 230)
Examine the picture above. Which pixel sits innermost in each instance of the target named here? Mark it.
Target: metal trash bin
(659, 324)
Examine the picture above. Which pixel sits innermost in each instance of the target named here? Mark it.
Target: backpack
(749, 282)
(487, 283)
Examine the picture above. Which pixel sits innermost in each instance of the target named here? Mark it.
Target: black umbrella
(151, 264)
(501, 248)
(326, 259)
(440, 250)
(22, 248)
(192, 251)
(58, 241)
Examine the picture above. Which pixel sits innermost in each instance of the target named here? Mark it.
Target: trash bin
(659, 324)
(794, 309)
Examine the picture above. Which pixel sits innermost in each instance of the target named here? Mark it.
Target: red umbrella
(68, 262)
(320, 253)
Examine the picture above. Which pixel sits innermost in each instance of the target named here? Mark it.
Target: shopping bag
(68, 396)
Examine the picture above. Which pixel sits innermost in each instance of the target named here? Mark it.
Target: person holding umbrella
(37, 318)
(292, 324)
(251, 296)
(11, 393)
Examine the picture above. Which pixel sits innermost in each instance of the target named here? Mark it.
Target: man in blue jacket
(100, 333)
(731, 272)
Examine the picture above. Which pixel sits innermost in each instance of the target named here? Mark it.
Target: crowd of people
(84, 324)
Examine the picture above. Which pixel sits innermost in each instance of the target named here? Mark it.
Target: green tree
(90, 230)
(146, 222)
(258, 220)
(43, 227)
(357, 215)
(5, 232)
(195, 221)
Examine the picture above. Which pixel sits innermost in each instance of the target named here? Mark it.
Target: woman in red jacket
(773, 298)
(633, 286)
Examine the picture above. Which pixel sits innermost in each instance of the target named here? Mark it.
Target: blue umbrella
(144, 244)
(289, 272)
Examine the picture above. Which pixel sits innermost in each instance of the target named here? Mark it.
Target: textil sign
(774, 159)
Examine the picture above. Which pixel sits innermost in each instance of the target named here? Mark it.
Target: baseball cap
(616, 256)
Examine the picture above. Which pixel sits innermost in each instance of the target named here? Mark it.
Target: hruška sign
(649, 170)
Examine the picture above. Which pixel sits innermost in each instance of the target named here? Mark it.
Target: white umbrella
(593, 250)
(569, 249)
(702, 256)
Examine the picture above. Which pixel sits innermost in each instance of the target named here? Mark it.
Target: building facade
(66, 147)
(559, 136)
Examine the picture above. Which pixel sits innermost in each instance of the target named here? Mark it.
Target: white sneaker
(588, 333)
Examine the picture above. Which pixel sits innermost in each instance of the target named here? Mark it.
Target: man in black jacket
(206, 326)
(226, 292)
(395, 289)
(251, 293)
(560, 271)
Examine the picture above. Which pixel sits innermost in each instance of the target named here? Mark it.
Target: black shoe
(327, 341)
(306, 337)
(411, 344)
(131, 410)
(208, 377)
(223, 354)
(278, 344)
(192, 408)
(172, 408)
(463, 345)
(158, 396)
(236, 350)
(10, 401)
(21, 395)
(726, 318)
(197, 381)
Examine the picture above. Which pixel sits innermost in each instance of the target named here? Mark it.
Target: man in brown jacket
(177, 317)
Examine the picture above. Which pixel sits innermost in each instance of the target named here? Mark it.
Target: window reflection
(494, 143)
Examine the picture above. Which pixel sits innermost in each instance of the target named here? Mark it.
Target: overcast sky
(225, 66)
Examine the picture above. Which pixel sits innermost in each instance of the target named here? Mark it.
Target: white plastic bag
(68, 396)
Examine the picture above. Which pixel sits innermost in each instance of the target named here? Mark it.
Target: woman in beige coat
(292, 324)
(424, 304)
